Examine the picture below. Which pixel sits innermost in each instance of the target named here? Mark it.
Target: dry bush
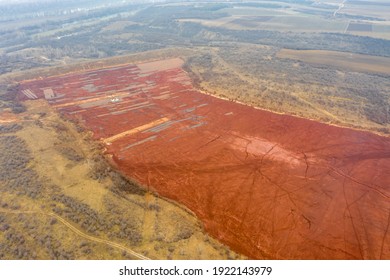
(184, 229)
(123, 184)
(71, 154)
(15, 174)
(96, 223)
(10, 128)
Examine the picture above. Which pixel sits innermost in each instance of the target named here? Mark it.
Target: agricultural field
(284, 22)
(346, 17)
(254, 178)
(346, 61)
(373, 9)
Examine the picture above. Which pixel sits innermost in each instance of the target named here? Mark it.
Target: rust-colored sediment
(7, 117)
(268, 185)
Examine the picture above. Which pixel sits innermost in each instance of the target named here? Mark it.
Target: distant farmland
(343, 60)
(363, 27)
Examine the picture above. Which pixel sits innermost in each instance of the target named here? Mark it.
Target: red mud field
(7, 117)
(268, 185)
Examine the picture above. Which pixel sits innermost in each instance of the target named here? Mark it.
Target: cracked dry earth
(268, 185)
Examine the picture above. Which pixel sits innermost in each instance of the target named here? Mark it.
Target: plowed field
(268, 185)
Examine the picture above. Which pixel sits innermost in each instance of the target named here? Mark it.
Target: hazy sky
(25, 1)
(22, 1)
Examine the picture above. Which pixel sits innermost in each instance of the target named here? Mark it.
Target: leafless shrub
(14, 170)
(184, 229)
(53, 221)
(17, 107)
(93, 222)
(71, 154)
(10, 128)
(154, 207)
(123, 184)
(100, 168)
(86, 251)
(15, 206)
(4, 227)
(59, 127)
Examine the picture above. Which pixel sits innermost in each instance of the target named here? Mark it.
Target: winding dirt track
(80, 233)
(270, 186)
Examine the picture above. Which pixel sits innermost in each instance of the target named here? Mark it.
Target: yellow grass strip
(135, 130)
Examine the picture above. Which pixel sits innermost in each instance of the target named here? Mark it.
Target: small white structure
(49, 93)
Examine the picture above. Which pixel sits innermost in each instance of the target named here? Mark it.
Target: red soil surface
(7, 117)
(268, 185)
